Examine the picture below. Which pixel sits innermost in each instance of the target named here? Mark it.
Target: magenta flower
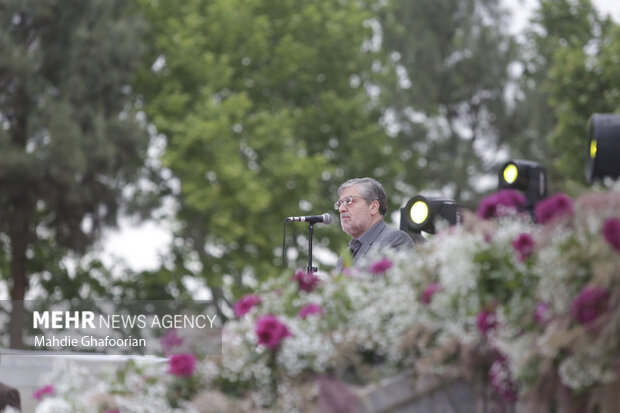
(170, 340)
(524, 245)
(306, 280)
(428, 293)
(552, 207)
(542, 313)
(501, 380)
(486, 321)
(182, 365)
(38, 394)
(270, 331)
(501, 203)
(310, 309)
(381, 266)
(589, 304)
(611, 232)
(245, 304)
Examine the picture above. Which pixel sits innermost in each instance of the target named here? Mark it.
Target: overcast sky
(522, 10)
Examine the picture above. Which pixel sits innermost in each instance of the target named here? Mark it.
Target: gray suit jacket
(379, 237)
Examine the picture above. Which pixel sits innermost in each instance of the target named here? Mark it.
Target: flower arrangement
(526, 304)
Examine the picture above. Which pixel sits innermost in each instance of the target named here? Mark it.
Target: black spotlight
(603, 151)
(420, 213)
(526, 176)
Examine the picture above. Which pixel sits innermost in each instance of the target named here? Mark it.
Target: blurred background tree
(451, 101)
(572, 73)
(70, 141)
(266, 108)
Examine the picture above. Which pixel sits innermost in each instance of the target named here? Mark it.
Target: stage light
(526, 176)
(603, 156)
(510, 173)
(420, 213)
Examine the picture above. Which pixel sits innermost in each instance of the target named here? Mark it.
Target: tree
(265, 107)
(575, 68)
(70, 141)
(449, 102)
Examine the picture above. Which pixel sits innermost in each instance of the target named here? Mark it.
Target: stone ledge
(431, 393)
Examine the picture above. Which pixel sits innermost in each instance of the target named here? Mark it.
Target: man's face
(357, 217)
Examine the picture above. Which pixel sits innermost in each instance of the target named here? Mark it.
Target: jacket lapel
(366, 246)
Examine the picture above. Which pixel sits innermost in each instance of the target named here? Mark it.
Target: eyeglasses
(346, 201)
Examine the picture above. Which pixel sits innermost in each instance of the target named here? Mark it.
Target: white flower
(453, 255)
(54, 405)
(581, 371)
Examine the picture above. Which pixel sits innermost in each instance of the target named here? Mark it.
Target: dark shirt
(354, 246)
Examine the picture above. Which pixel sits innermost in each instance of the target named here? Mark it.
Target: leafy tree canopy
(583, 50)
(69, 138)
(266, 109)
(450, 97)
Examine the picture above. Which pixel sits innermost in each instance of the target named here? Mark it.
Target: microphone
(312, 219)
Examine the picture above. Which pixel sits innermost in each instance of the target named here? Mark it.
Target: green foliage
(451, 61)
(69, 141)
(571, 75)
(582, 83)
(265, 111)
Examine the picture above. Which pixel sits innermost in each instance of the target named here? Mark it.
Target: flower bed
(529, 312)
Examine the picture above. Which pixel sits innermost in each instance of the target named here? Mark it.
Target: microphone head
(327, 218)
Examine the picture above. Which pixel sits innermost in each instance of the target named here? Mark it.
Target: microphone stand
(310, 269)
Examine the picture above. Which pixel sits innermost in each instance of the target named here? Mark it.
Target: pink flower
(38, 394)
(245, 304)
(611, 232)
(500, 203)
(381, 266)
(182, 365)
(486, 321)
(524, 245)
(169, 341)
(428, 293)
(542, 313)
(270, 331)
(501, 380)
(310, 309)
(589, 304)
(552, 207)
(306, 280)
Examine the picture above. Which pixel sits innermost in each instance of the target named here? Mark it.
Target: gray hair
(370, 190)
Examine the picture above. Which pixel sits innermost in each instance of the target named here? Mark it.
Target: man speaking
(362, 204)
